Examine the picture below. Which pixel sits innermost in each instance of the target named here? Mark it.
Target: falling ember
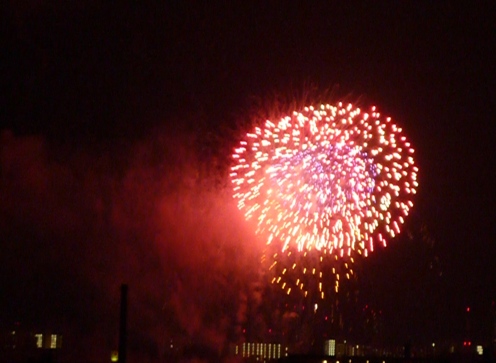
(326, 182)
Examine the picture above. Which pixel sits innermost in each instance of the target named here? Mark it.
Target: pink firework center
(329, 179)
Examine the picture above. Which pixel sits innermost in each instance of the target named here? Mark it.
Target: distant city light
(39, 340)
(53, 341)
(330, 347)
(259, 350)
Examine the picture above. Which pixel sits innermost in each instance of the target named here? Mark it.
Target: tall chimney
(122, 325)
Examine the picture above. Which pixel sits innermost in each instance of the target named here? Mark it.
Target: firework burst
(325, 183)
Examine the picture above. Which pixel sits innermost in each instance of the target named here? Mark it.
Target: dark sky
(104, 114)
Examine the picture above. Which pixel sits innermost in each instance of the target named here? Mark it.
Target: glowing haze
(325, 183)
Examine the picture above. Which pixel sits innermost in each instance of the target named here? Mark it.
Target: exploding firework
(324, 184)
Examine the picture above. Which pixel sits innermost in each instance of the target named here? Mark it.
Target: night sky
(116, 122)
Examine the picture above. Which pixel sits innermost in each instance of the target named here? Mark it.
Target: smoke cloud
(76, 222)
